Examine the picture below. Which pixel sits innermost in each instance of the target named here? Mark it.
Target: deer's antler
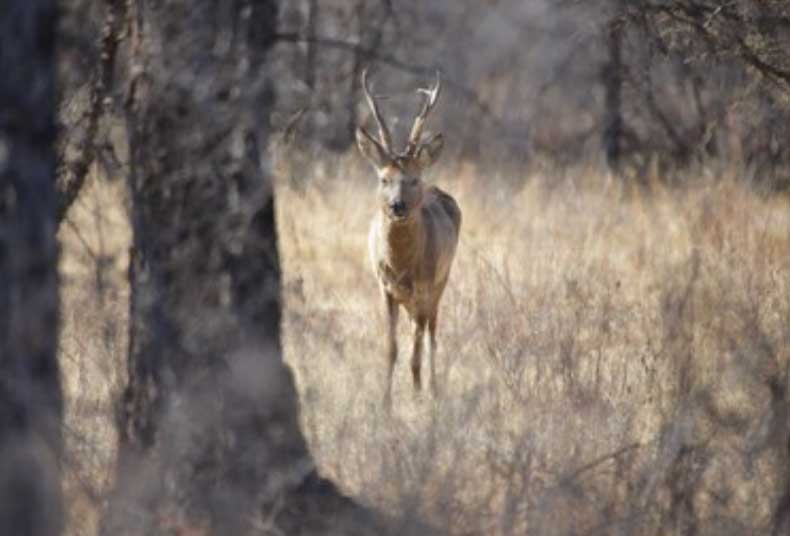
(431, 96)
(384, 134)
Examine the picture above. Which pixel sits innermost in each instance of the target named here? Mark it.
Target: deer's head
(400, 190)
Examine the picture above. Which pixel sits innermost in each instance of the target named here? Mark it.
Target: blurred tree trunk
(312, 46)
(358, 13)
(73, 176)
(369, 28)
(612, 75)
(31, 403)
(209, 431)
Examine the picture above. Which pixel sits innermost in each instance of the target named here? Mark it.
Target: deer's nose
(398, 208)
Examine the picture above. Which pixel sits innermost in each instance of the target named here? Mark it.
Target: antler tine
(431, 96)
(384, 133)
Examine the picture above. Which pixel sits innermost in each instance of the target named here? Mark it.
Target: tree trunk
(31, 403)
(209, 429)
(312, 46)
(73, 177)
(352, 99)
(612, 75)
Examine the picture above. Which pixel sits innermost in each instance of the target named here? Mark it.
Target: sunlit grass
(584, 320)
(609, 354)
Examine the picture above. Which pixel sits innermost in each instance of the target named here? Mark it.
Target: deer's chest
(398, 283)
(403, 285)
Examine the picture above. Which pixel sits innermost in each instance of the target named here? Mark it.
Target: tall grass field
(613, 358)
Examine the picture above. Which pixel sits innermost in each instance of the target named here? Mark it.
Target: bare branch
(420, 70)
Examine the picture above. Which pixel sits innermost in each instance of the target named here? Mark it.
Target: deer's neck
(404, 242)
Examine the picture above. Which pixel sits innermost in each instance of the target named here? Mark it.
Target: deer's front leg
(432, 336)
(416, 358)
(392, 344)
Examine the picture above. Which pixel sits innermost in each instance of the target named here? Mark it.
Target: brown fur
(413, 236)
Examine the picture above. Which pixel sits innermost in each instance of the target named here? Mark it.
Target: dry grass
(612, 360)
(606, 355)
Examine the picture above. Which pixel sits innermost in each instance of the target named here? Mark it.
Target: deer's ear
(371, 149)
(429, 151)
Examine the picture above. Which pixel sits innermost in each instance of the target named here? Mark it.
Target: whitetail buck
(414, 233)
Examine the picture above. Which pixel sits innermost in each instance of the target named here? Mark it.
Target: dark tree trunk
(312, 46)
(73, 176)
(358, 14)
(369, 36)
(612, 75)
(30, 397)
(209, 431)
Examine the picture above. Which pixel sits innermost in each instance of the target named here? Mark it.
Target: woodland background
(191, 340)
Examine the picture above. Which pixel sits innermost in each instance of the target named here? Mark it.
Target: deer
(413, 234)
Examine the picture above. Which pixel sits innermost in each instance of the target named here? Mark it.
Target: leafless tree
(209, 431)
